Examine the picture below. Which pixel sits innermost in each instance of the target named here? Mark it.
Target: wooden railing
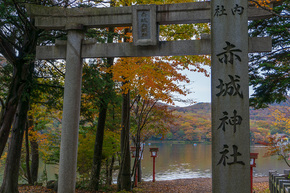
(279, 183)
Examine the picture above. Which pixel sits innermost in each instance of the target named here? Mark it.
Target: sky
(199, 86)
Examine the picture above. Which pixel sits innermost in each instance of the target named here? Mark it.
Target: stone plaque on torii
(228, 46)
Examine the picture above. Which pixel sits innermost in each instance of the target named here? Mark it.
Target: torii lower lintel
(90, 49)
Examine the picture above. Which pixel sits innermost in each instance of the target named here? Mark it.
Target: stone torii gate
(228, 46)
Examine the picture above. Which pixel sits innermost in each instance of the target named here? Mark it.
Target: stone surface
(144, 25)
(230, 97)
(71, 114)
(195, 12)
(187, 47)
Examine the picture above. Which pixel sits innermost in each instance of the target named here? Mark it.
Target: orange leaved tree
(278, 142)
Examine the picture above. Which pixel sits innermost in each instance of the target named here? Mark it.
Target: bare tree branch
(284, 159)
(58, 70)
(51, 86)
(147, 114)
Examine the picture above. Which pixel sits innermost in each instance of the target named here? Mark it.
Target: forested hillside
(194, 122)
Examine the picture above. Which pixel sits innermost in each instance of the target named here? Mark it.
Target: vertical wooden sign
(230, 97)
(144, 25)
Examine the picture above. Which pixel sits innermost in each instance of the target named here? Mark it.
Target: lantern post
(154, 155)
(253, 157)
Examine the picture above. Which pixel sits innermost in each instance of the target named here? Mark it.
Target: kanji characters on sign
(224, 158)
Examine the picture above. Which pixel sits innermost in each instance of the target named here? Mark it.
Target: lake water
(179, 161)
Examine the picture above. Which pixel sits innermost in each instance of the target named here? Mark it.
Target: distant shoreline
(186, 142)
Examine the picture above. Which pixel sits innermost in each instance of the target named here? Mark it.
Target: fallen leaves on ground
(33, 189)
(262, 187)
(195, 185)
(200, 185)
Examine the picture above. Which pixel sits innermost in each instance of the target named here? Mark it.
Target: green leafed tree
(269, 72)
(18, 40)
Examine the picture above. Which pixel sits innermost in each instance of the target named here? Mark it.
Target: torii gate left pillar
(71, 109)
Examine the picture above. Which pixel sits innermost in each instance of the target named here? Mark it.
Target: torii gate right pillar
(230, 97)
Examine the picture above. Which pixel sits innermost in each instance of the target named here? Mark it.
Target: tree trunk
(96, 170)
(124, 177)
(111, 171)
(11, 173)
(15, 90)
(107, 171)
(34, 154)
(138, 145)
(34, 161)
(139, 171)
(98, 148)
(27, 158)
(21, 68)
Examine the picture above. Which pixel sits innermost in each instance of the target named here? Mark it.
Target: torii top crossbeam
(182, 13)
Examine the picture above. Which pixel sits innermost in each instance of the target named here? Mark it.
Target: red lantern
(153, 152)
(133, 151)
(253, 157)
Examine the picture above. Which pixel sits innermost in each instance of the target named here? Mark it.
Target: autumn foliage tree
(148, 118)
(259, 132)
(280, 118)
(275, 138)
(191, 127)
(278, 145)
(157, 77)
